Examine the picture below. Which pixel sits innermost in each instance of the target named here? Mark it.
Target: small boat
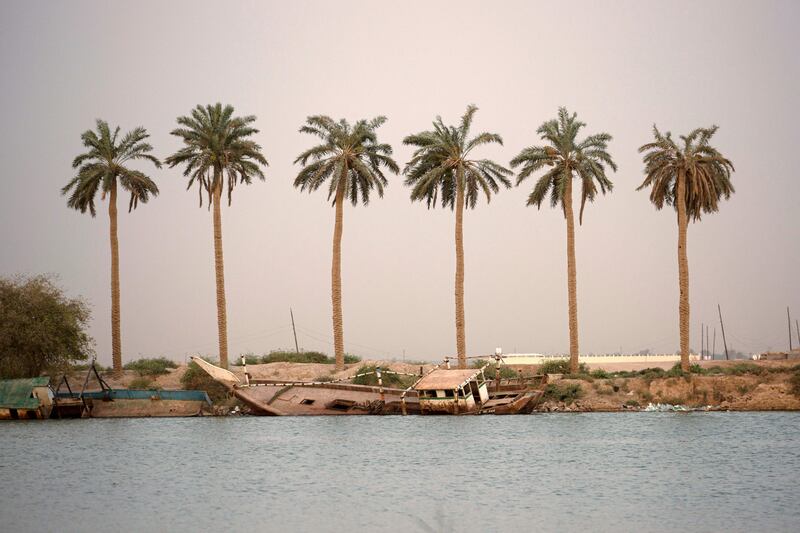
(119, 403)
(34, 399)
(442, 390)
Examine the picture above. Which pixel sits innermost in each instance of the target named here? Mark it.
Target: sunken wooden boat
(440, 391)
(130, 403)
(34, 399)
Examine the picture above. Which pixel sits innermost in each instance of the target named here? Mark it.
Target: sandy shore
(766, 391)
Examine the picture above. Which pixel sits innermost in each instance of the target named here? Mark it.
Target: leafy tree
(566, 158)
(441, 170)
(692, 177)
(217, 144)
(41, 329)
(104, 167)
(350, 160)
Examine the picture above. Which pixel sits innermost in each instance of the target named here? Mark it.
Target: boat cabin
(27, 398)
(451, 391)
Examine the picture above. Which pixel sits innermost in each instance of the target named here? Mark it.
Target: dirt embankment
(277, 371)
(769, 390)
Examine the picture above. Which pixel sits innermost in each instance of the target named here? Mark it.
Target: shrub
(195, 378)
(286, 356)
(151, 367)
(632, 403)
(560, 366)
(490, 371)
(41, 328)
(389, 379)
(600, 374)
(794, 383)
(563, 392)
(143, 383)
(349, 359)
(249, 359)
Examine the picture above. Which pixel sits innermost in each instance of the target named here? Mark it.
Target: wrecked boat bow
(441, 390)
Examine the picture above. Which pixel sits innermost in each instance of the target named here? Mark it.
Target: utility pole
(707, 337)
(296, 347)
(714, 344)
(789, 319)
(797, 329)
(702, 337)
(724, 342)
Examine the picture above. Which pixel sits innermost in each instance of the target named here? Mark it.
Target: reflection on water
(551, 472)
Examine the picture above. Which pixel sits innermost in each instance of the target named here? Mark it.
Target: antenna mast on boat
(724, 342)
(296, 347)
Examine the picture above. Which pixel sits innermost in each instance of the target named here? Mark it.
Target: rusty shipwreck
(441, 390)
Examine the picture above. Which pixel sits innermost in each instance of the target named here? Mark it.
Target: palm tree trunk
(116, 335)
(219, 269)
(336, 275)
(683, 271)
(461, 342)
(572, 282)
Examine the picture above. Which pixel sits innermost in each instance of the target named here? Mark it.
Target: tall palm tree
(218, 145)
(566, 158)
(441, 170)
(105, 166)
(350, 159)
(692, 177)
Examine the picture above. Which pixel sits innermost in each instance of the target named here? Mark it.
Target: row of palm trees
(218, 153)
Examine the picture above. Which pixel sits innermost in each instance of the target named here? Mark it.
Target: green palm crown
(349, 157)
(565, 157)
(104, 165)
(707, 172)
(442, 153)
(217, 144)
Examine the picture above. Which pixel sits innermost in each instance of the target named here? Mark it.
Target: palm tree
(350, 159)
(566, 158)
(441, 170)
(217, 144)
(104, 167)
(693, 178)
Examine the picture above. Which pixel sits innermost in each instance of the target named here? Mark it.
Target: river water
(546, 472)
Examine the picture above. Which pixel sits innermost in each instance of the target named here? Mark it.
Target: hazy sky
(620, 65)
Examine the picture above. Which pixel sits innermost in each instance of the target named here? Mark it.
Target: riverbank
(719, 385)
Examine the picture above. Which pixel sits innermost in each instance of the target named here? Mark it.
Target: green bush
(349, 359)
(86, 366)
(600, 374)
(249, 359)
(143, 383)
(490, 371)
(195, 378)
(287, 356)
(563, 392)
(389, 380)
(151, 367)
(560, 366)
(794, 382)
